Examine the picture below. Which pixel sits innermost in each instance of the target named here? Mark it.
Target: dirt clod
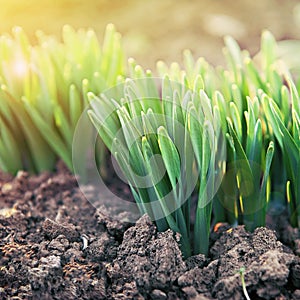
(150, 258)
(53, 230)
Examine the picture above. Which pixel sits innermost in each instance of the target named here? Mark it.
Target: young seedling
(167, 146)
(242, 272)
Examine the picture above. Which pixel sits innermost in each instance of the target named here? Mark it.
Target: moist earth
(56, 245)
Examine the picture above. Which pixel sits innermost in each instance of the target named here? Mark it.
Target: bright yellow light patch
(20, 67)
(7, 212)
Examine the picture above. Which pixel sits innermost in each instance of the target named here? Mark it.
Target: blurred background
(161, 29)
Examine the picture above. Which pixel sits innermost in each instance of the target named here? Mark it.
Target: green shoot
(242, 271)
(160, 153)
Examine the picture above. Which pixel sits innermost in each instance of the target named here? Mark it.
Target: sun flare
(20, 67)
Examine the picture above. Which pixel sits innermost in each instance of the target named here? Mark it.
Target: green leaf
(288, 142)
(42, 156)
(237, 98)
(10, 154)
(234, 51)
(49, 134)
(170, 155)
(221, 105)
(254, 75)
(268, 48)
(294, 95)
(236, 118)
(63, 125)
(262, 200)
(75, 105)
(196, 132)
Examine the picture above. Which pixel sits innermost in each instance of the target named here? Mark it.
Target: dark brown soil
(56, 245)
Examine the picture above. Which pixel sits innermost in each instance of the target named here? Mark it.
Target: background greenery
(158, 29)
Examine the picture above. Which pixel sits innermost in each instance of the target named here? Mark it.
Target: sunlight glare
(20, 67)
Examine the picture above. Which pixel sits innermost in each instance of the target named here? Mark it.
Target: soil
(56, 245)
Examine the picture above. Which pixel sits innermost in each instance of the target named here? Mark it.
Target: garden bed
(56, 245)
